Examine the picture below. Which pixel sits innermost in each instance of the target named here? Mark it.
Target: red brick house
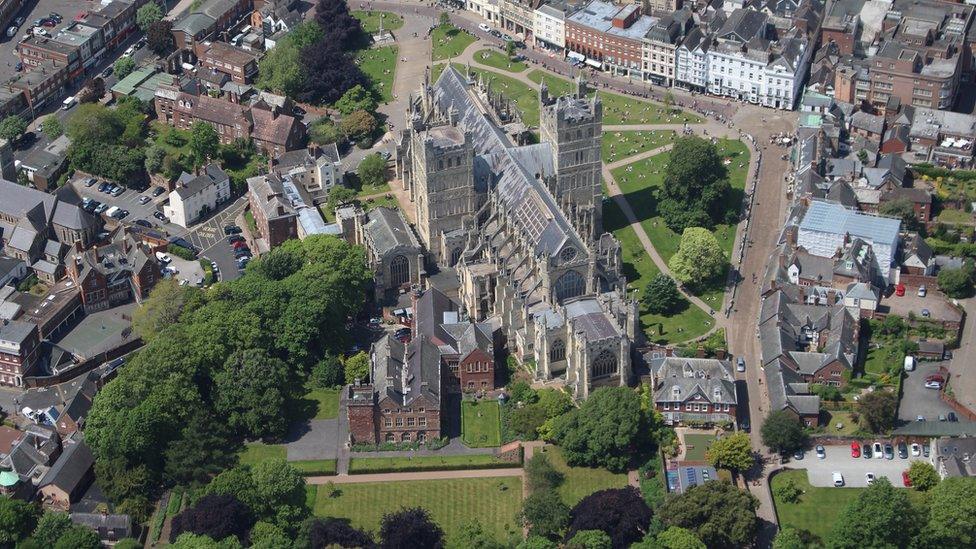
(275, 217)
(699, 390)
(68, 479)
(113, 274)
(402, 401)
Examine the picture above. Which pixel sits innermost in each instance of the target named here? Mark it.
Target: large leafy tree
(782, 432)
(372, 171)
(789, 538)
(541, 474)
(163, 308)
(339, 25)
(204, 143)
(545, 514)
(356, 98)
(410, 529)
(620, 512)
(679, 538)
(923, 475)
(124, 66)
(280, 70)
(700, 258)
(696, 187)
(50, 527)
(358, 125)
(108, 142)
(216, 516)
(147, 15)
(250, 392)
(952, 513)
(159, 37)
(357, 367)
(661, 296)
(604, 431)
(330, 532)
(903, 209)
(78, 537)
(880, 516)
(719, 514)
(52, 127)
(957, 283)
(329, 72)
(17, 520)
(878, 411)
(731, 452)
(12, 127)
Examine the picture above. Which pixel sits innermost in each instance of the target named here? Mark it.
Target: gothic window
(605, 364)
(399, 271)
(569, 285)
(558, 351)
(455, 256)
(440, 164)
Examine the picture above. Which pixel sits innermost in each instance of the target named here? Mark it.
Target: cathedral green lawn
(448, 42)
(371, 20)
(379, 64)
(620, 145)
(526, 98)
(818, 508)
(494, 502)
(498, 60)
(481, 424)
(581, 481)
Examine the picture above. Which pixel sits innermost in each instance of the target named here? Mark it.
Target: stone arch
(557, 351)
(605, 364)
(455, 255)
(570, 284)
(399, 271)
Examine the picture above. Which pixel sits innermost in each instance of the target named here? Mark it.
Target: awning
(575, 56)
(593, 63)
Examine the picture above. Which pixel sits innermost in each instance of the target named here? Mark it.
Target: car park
(889, 451)
(821, 453)
(878, 450)
(855, 450)
(902, 450)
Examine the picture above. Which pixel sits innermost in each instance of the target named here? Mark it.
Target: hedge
(358, 466)
(315, 467)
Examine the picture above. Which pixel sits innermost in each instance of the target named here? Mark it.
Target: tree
(788, 491)
(167, 301)
(668, 101)
(324, 132)
(204, 143)
(540, 473)
(280, 69)
(280, 492)
(696, 188)
(338, 24)
(78, 537)
(147, 15)
(124, 66)
(444, 19)
(52, 127)
(358, 125)
(923, 475)
(620, 512)
(952, 513)
(782, 432)
(50, 527)
(880, 516)
(902, 209)
(328, 72)
(679, 538)
(12, 127)
(250, 392)
(789, 538)
(190, 540)
(537, 542)
(410, 528)
(215, 516)
(265, 535)
(604, 431)
(327, 372)
(372, 171)
(700, 258)
(590, 539)
(720, 515)
(472, 535)
(956, 283)
(17, 520)
(545, 514)
(159, 37)
(526, 421)
(92, 90)
(357, 367)
(661, 296)
(327, 532)
(878, 411)
(510, 49)
(731, 452)
(356, 98)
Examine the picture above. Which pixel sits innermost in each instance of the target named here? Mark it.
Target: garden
(480, 424)
(370, 20)
(619, 145)
(581, 481)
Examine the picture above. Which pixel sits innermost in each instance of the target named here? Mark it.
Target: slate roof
(270, 194)
(709, 377)
(782, 384)
(272, 128)
(70, 469)
(866, 121)
(835, 219)
(388, 230)
(743, 25)
(16, 331)
(189, 185)
(404, 373)
(194, 23)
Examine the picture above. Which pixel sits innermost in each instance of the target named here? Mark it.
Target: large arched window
(399, 271)
(557, 351)
(571, 284)
(605, 364)
(455, 256)
(390, 437)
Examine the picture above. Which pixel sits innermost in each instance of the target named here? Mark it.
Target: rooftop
(832, 218)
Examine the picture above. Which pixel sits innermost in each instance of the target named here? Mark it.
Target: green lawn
(498, 60)
(327, 402)
(174, 141)
(833, 418)
(581, 481)
(619, 109)
(818, 508)
(950, 215)
(493, 502)
(371, 20)
(880, 361)
(388, 201)
(620, 145)
(315, 467)
(379, 64)
(251, 224)
(525, 97)
(368, 190)
(256, 452)
(448, 42)
(426, 463)
(481, 424)
(695, 446)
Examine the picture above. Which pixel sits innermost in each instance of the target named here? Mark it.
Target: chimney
(95, 251)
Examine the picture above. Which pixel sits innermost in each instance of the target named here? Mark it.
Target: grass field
(425, 463)
(327, 402)
(494, 502)
(257, 452)
(818, 508)
(581, 481)
(620, 145)
(371, 20)
(481, 424)
(695, 446)
(498, 60)
(448, 42)
(379, 64)
(526, 98)
(880, 361)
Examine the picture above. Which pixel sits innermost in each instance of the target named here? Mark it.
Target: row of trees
(221, 366)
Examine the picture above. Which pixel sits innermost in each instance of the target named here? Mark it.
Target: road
(210, 241)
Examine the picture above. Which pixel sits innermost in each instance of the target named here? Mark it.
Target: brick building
(608, 37)
(700, 390)
(113, 274)
(241, 65)
(274, 215)
(19, 348)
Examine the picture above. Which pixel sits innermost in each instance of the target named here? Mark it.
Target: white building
(827, 227)
(489, 9)
(195, 196)
(691, 63)
(315, 170)
(550, 25)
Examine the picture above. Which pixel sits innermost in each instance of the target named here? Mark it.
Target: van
(112, 211)
(68, 102)
(838, 479)
(909, 363)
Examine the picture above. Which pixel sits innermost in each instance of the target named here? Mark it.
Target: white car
(484, 27)
(821, 453)
(740, 365)
(163, 258)
(916, 449)
(933, 385)
(877, 450)
(921, 291)
(129, 52)
(838, 479)
(869, 477)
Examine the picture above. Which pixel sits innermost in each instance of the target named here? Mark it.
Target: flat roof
(827, 217)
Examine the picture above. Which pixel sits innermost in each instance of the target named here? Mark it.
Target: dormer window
(676, 392)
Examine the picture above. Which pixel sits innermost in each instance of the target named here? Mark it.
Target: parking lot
(33, 10)
(211, 243)
(838, 458)
(916, 400)
(129, 200)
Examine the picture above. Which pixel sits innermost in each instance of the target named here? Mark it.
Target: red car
(900, 290)
(904, 478)
(239, 244)
(855, 450)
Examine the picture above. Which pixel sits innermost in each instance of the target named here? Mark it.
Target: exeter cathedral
(521, 223)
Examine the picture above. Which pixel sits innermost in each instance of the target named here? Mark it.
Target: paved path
(962, 380)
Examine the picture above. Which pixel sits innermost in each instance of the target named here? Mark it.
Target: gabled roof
(679, 379)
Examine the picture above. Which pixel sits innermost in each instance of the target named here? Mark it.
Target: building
(827, 227)
(522, 224)
(110, 527)
(207, 19)
(550, 24)
(45, 166)
(489, 9)
(402, 401)
(196, 196)
(68, 478)
(660, 47)
(393, 252)
(693, 390)
(20, 344)
(63, 407)
(241, 65)
(113, 274)
(315, 170)
(29, 460)
(518, 16)
(274, 215)
(953, 457)
(608, 37)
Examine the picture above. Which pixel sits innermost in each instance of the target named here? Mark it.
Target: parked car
(484, 27)
(298, 111)
(925, 450)
(101, 208)
(705, 476)
(953, 417)
(821, 453)
(926, 313)
(744, 425)
(129, 51)
(838, 479)
(242, 253)
(239, 245)
(921, 291)
(118, 191)
(942, 417)
(866, 451)
(49, 23)
(905, 479)
(902, 450)
(855, 450)
(107, 72)
(900, 290)
(144, 199)
(143, 223)
(231, 229)
(916, 449)
(919, 418)
(234, 239)
(878, 450)
(798, 455)
(740, 364)
(889, 451)
(934, 383)
(158, 215)
(102, 187)
(869, 478)
(90, 181)
(19, 66)
(158, 191)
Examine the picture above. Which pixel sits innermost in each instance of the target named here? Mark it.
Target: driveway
(314, 439)
(211, 243)
(820, 471)
(916, 400)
